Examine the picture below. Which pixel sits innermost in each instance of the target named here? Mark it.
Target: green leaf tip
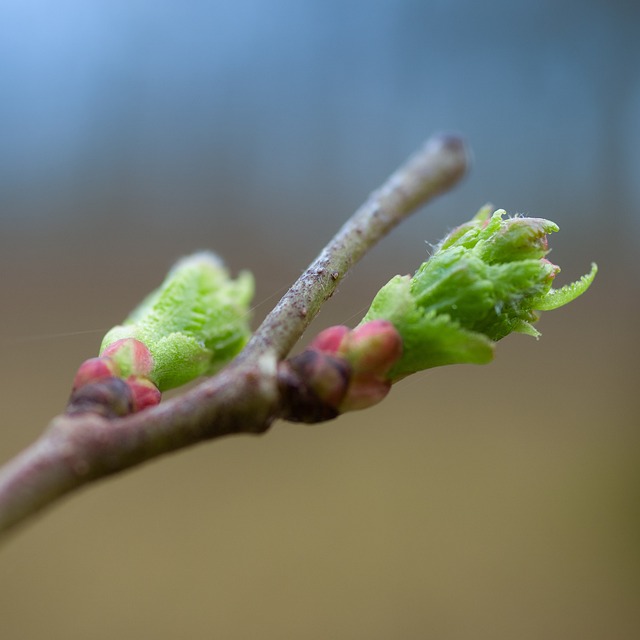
(556, 298)
(485, 280)
(193, 324)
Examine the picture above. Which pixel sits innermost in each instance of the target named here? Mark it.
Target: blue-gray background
(498, 502)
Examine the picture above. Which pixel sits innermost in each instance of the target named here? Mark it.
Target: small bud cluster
(370, 351)
(342, 370)
(127, 360)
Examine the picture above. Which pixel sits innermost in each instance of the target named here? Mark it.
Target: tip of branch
(451, 141)
(453, 154)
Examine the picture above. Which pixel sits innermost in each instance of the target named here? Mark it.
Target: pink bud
(93, 370)
(373, 347)
(330, 340)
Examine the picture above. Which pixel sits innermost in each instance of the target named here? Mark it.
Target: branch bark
(246, 397)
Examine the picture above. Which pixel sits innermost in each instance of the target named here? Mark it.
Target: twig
(435, 168)
(245, 397)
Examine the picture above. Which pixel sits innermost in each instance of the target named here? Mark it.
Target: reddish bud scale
(312, 386)
(373, 347)
(553, 269)
(364, 391)
(132, 356)
(93, 370)
(144, 393)
(330, 340)
(109, 397)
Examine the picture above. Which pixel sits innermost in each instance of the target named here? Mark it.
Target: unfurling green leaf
(485, 280)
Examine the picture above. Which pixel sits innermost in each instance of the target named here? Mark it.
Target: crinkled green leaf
(486, 279)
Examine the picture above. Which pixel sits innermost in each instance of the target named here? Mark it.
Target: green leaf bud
(193, 324)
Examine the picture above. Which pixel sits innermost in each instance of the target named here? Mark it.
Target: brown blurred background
(476, 502)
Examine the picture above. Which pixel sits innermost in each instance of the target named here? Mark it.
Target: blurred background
(475, 502)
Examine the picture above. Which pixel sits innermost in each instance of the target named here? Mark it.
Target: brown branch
(245, 397)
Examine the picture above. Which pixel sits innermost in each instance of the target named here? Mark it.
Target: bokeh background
(475, 502)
